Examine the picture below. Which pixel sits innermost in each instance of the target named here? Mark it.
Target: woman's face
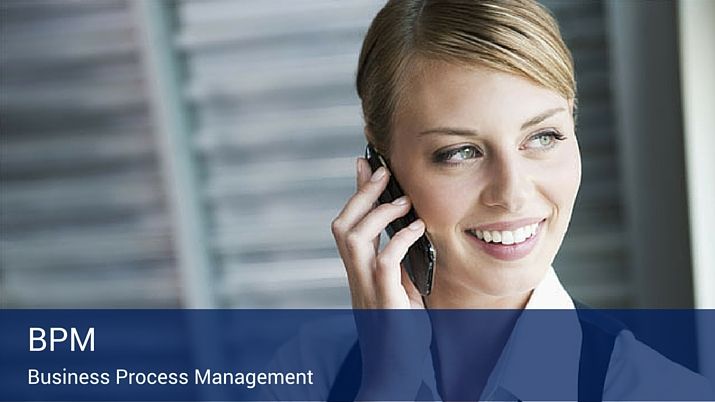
(491, 163)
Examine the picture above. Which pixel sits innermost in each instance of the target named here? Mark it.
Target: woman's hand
(393, 344)
(375, 276)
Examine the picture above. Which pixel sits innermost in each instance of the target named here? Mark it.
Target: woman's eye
(545, 140)
(457, 155)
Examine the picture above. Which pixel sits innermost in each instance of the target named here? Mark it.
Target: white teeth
(497, 236)
(507, 237)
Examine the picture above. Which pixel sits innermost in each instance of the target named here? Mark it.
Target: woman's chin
(510, 280)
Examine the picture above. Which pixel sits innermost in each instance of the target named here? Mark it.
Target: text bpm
(58, 336)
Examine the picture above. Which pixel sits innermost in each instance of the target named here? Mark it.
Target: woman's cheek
(441, 205)
(566, 180)
(571, 174)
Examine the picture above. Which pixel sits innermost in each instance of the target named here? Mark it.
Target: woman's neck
(447, 295)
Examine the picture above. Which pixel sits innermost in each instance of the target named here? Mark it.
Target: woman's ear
(377, 143)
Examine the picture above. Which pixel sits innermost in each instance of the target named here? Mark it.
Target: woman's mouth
(507, 245)
(507, 237)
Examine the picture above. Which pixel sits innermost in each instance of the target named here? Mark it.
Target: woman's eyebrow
(541, 117)
(464, 132)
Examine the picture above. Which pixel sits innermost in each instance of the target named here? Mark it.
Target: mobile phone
(419, 262)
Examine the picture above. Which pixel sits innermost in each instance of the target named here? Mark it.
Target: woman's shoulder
(638, 372)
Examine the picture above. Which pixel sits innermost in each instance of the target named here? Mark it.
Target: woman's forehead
(441, 93)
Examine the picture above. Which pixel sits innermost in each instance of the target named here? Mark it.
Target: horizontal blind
(83, 221)
(278, 127)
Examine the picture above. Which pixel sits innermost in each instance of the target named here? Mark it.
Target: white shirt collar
(550, 294)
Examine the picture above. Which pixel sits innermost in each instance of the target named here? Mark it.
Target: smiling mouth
(506, 237)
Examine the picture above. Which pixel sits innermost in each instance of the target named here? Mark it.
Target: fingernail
(417, 225)
(379, 174)
(400, 201)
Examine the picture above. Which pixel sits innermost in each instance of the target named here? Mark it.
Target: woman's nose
(508, 185)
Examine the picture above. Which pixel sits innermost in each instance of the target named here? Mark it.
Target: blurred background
(193, 153)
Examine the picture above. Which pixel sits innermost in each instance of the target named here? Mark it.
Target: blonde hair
(515, 36)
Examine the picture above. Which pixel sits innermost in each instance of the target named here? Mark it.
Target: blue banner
(311, 355)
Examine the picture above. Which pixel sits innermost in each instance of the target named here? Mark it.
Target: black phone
(419, 263)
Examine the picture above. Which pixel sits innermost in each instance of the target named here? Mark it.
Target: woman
(472, 104)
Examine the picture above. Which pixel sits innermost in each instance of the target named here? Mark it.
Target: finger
(376, 220)
(363, 172)
(361, 202)
(388, 261)
(413, 294)
(361, 243)
(363, 240)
